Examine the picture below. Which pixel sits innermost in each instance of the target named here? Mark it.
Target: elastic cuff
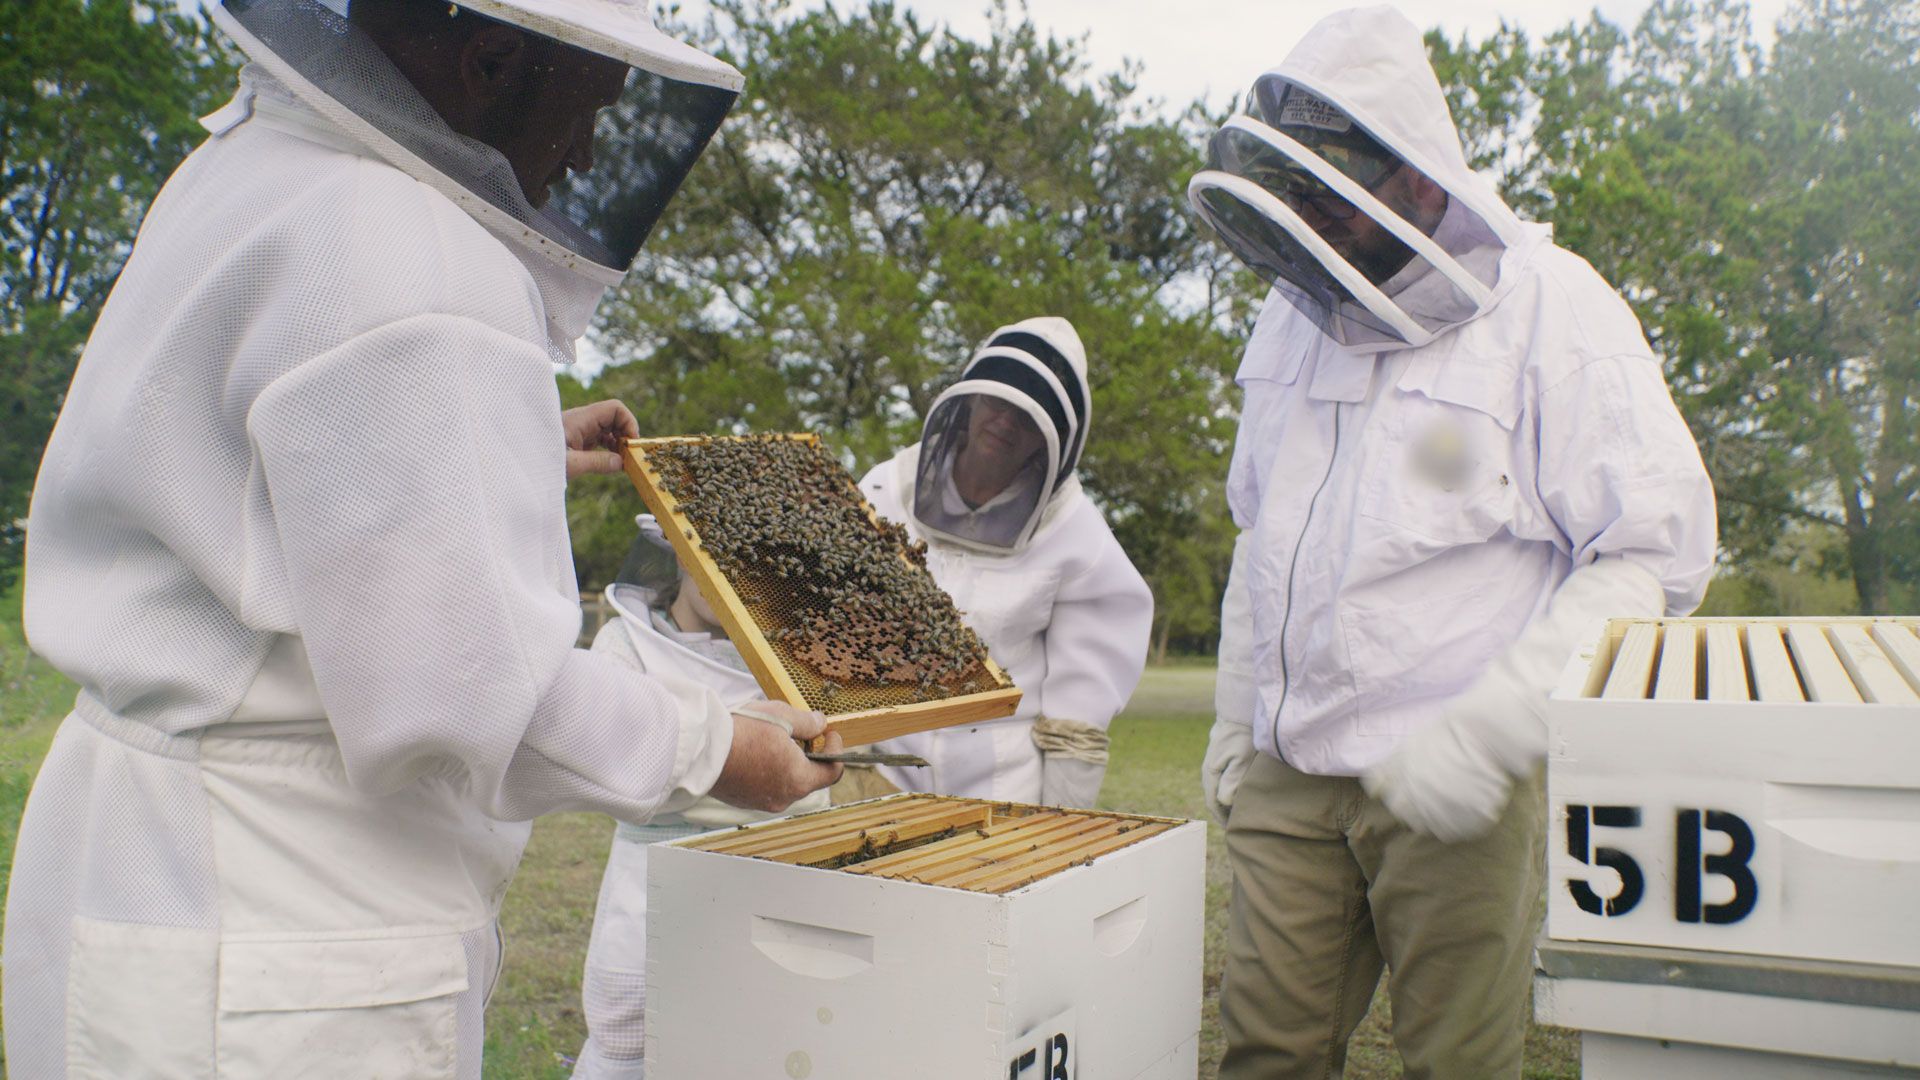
(1071, 739)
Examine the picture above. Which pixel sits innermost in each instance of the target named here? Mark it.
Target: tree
(97, 105)
(1762, 213)
(882, 198)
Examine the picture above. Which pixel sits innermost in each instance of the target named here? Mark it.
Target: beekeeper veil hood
(1001, 442)
(1344, 185)
(589, 131)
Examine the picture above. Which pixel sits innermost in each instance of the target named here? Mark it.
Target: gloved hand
(1450, 780)
(1070, 781)
(1229, 752)
(1073, 761)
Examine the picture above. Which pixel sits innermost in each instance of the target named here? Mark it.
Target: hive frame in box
(943, 840)
(874, 971)
(856, 728)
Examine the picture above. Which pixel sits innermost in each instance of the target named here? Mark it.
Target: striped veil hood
(1002, 442)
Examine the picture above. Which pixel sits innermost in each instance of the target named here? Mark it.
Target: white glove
(1229, 752)
(1073, 761)
(1450, 780)
(1230, 743)
(1070, 781)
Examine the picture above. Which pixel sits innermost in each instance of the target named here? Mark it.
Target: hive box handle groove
(1117, 930)
(817, 952)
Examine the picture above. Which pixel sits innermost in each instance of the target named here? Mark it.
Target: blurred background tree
(887, 194)
(98, 102)
(1761, 210)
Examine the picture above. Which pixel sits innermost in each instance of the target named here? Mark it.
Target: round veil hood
(1322, 137)
(591, 223)
(1016, 421)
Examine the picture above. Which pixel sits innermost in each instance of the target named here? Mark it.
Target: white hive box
(1734, 852)
(928, 938)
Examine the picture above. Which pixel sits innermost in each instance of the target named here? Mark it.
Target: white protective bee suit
(644, 637)
(299, 535)
(1035, 571)
(1447, 470)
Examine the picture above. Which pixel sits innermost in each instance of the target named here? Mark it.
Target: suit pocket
(1446, 478)
(374, 1007)
(138, 1001)
(1427, 650)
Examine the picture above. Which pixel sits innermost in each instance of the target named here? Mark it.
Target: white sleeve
(1233, 688)
(706, 726)
(1507, 705)
(417, 481)
(1097, 639)
(1621, 476)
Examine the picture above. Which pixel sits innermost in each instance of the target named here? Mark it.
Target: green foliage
(882, 199)
(1762, 213)
(97, 105)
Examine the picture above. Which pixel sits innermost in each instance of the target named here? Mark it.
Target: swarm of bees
(826, 582)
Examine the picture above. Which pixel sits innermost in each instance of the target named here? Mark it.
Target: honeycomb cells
(843, 598)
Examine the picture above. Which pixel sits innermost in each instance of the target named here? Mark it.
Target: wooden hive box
(861, 678)
(1734, 849)
(1740, 785)
(929, 937)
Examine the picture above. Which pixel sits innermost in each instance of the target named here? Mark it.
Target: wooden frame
(953, 842)
(1862, 660)
(856, 728)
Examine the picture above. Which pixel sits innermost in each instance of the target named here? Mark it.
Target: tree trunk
(1869, 569)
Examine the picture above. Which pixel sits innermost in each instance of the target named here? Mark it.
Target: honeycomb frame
(860, 711)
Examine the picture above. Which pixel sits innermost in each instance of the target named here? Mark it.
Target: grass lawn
(534, 1021)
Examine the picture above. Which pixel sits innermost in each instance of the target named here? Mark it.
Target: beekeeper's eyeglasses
(1301, 190)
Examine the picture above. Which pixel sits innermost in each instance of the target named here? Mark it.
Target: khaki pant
(1328, 886)
(858, 783)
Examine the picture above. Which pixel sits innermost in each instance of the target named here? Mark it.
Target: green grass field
(534, 1021)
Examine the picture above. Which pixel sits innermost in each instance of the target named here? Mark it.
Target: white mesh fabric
(110, 832)
(616, 1004)
(318, 403)
(485, 954)
(614, 984)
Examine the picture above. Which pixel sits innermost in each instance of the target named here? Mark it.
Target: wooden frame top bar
(1823, 661)
(955, 843)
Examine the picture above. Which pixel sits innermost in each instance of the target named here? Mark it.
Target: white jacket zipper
(1286, 617)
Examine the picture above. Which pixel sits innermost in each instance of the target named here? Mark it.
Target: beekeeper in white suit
(1456, 455)
(299, 536)
(662, 625)
(1031, 564)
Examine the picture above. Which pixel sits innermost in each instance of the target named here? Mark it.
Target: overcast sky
(1214, 48)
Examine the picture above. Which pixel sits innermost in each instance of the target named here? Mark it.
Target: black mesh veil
(644, 143)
